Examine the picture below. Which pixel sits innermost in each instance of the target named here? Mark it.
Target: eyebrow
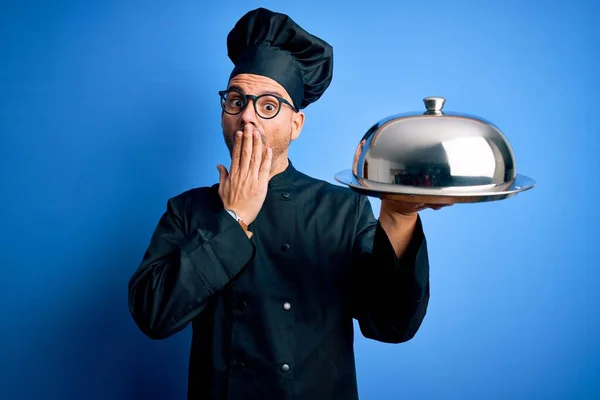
(263, 92)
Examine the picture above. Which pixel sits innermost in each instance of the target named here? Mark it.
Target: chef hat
(271, 44)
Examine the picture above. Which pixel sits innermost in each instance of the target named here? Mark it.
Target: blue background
(109, 108)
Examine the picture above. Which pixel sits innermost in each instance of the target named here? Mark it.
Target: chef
(270, 266)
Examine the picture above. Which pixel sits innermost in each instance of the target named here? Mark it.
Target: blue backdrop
(109, 108)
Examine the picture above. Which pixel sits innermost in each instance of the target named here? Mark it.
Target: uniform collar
(286, 177)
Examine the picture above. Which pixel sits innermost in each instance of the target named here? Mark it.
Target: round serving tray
(423, 195)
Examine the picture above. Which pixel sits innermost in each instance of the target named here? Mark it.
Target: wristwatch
(241, 222)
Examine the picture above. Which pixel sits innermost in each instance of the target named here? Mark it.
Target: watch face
(233, 214)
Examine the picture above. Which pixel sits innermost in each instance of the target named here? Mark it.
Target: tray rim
(520, 184)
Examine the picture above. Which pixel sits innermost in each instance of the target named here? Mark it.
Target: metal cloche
(436, 158)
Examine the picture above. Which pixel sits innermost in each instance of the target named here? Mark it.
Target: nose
(249, 114)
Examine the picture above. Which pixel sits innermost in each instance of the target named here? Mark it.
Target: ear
(297, 124)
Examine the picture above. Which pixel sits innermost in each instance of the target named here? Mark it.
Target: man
(271, 266)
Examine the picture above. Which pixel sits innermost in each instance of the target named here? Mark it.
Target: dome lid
(435, 157)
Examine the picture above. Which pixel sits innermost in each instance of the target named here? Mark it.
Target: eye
(235, 102)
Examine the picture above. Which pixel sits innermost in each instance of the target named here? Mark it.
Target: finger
(236, 153)
(265, 166)
(437, 206)
(246, 152)
(222, 174)
(419, 207)
(257, 154)
(222, 179)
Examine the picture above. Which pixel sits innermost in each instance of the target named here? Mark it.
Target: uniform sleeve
(179, 273)
(389, 295)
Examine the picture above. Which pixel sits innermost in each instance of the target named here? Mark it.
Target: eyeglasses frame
(254, 99)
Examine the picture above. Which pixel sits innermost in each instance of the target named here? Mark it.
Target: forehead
(257, 84)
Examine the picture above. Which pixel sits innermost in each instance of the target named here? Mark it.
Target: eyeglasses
(267, 106)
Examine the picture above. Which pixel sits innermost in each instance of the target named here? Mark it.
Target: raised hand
(243, 189)
(397, 207)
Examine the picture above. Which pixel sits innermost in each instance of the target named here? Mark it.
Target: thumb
(223, 174)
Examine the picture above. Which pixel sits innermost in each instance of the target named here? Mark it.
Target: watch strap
(240, 222)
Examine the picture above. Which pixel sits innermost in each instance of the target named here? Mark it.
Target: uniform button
(287, 306)
(285, 195)
(285, 368)
(285, 247)
(241, 304)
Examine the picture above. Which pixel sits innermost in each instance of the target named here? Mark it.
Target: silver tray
(446, 196)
